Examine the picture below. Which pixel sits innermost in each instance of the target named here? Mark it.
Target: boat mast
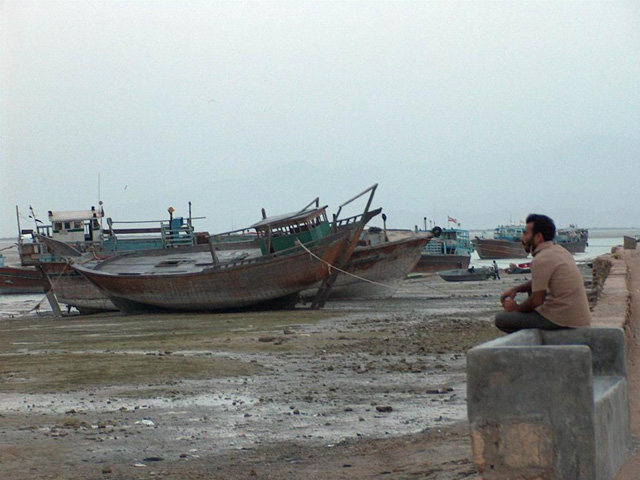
(19, 230)
(100, 203)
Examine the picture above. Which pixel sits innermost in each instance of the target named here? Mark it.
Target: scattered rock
(146, 422)
(384, 409)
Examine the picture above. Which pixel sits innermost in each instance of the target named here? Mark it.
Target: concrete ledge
(613, 305)
(549, 404)
(611, 309)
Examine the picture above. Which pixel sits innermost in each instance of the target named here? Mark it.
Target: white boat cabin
(76, 226)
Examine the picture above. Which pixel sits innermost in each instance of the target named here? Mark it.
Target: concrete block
(549, 404)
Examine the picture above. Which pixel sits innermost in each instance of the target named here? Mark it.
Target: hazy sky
(484, 111)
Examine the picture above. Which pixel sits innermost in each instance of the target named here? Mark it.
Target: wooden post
(214, 256)
(48, 291)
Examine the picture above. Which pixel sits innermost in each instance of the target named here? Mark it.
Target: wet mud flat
(371, 388)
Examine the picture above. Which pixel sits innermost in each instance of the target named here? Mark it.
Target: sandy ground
(362, 389)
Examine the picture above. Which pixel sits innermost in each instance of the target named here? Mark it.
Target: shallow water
(597, 246)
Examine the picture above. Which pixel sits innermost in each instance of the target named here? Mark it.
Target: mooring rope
(361, 278)
(343, 271)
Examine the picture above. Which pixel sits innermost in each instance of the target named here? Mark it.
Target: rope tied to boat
(9, 247)
(330, 266)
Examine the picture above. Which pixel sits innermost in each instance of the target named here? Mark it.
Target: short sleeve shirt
(554, 271)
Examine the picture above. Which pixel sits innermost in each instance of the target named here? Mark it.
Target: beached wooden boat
(295, 250)
(82, 231)
(378, 267)
(465, 274)
(72, 289)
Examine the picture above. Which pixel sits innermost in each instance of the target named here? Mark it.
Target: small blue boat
(465, 274)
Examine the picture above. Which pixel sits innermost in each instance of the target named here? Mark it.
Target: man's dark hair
(542, 224)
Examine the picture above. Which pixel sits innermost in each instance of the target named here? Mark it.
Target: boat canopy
(313, 216)
(74, 215)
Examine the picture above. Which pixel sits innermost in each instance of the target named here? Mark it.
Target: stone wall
(612, 306)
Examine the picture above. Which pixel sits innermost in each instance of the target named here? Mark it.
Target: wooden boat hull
(74, 290)
(582, 245)
(273, 278)
(464, 275)
(575, 240)
(386, 264)
(437, 262)
(572, 247)
(20, 280)
(490, 249)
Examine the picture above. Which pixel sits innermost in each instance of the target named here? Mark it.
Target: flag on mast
(451, 220)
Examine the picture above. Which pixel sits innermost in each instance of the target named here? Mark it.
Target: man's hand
(509, 294)
(509, 305)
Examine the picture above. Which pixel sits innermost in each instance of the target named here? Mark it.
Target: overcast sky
(484, 111)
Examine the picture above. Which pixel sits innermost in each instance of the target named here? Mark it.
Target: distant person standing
(557, 297)
(496, 271)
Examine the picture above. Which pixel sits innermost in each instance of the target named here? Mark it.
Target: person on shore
(496, 271)
(556, 298)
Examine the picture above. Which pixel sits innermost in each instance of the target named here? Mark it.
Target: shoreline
(362, 389)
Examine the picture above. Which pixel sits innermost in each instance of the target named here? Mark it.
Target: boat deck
(178, 263)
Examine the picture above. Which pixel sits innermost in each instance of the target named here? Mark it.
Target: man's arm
(513, 291)
(529, 305)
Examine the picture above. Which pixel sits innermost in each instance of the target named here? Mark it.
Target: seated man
(557, 297)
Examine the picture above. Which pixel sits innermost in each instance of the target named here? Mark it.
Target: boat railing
(348, 221)
(262, 258)
(166, 234)
(233, 235)
(371, 191)
(38, 252)
(176, 237)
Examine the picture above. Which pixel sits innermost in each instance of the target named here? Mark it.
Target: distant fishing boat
(573, 239)
(506, 243)
(465, 274)
(294, 250)
(451, 250)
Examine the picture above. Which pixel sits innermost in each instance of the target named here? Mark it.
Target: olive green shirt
(554, 271)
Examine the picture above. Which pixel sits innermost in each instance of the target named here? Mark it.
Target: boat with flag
(506, 243)
(451, 249)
